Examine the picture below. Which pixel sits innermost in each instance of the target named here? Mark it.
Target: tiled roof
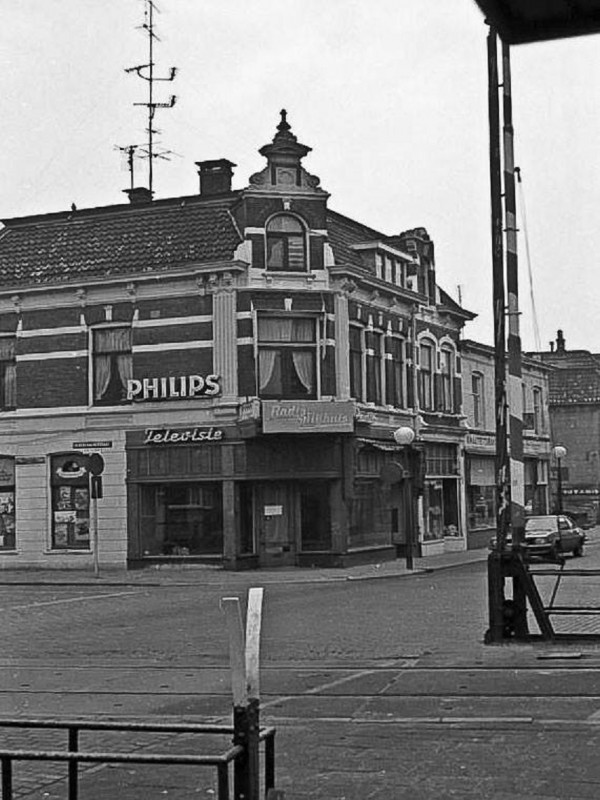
(343, 233)
(117, 240)
(574, 386)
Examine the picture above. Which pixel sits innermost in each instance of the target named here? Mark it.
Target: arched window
(286, 244)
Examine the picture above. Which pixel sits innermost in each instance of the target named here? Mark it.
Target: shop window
(477, 392)
(356, 355)
(287, 357)
(315, 516)
(373, 351)
(538, 413)
(369, 515)
(481, 506)
(394, 373)
(70, 503)
(286, 244)
(7, 503)
(8, 373)
(426, 354)
(181, 519)
(112, 365)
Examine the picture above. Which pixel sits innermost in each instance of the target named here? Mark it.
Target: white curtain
(274, 329)
(266, 363)
(7, 348)
(303, 364)
(101, 375)
(125, 369)
(112, 340)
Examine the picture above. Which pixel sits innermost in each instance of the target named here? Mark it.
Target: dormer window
(286, 244)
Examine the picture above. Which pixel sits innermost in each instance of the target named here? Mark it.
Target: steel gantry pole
(495, 570)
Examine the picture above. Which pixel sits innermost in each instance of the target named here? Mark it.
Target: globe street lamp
(405, 436)
(560, 452)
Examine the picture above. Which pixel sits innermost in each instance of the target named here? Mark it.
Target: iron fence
(236, 754)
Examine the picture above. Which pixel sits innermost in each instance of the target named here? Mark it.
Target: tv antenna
(129, 151)
(146, 72)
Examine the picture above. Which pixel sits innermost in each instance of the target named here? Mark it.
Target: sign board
(30, 460)
(480, 440)
(273, 511)
(92, 445)
(307, 416)
(181, 388)
(182, 435)
(581, 492)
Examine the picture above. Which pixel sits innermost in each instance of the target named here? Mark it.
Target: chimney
(215, 176)
(138, 196)
(560, 342)
(551, 347)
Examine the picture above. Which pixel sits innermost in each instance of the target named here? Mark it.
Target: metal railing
(73, 756)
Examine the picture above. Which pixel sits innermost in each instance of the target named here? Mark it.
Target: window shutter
(457, 394)
(316, 252)
(258, 252)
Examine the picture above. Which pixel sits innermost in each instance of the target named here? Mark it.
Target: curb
(230, 578)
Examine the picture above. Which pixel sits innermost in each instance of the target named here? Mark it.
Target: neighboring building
(480, 442)
(575, 424)
(241, 360)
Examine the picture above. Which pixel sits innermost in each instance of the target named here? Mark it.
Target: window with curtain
(287, 357)
(394, 373)
(8, 373)
(286, 244)
(425, 384)
(447, 372)
(477, 392)
(112, 364)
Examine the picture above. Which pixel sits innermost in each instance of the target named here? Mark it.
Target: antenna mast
(146, 72)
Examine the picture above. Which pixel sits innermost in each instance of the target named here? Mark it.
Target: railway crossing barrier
(525, 576)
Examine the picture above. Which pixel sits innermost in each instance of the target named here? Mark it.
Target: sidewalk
(198, 574)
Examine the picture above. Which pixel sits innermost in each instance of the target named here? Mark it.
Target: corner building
(241, 360)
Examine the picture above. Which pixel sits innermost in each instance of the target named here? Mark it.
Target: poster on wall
(70, 504)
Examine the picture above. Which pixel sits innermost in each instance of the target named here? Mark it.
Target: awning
(387, 447)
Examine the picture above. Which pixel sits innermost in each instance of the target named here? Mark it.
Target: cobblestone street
(378, 687)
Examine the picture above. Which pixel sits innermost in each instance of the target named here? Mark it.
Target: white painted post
(244, 656)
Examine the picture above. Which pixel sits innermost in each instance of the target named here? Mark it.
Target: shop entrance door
(276, 513)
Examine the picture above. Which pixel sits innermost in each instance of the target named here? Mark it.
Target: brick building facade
(575, 423)
(241, 359)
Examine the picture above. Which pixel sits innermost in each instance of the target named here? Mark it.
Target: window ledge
(67, 552)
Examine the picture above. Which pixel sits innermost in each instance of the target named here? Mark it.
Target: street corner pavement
(205, 575)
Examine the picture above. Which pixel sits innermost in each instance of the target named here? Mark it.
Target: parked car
(551, 535)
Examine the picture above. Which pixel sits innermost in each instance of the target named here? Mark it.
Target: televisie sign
(182, 435)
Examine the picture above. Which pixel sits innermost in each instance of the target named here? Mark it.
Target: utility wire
(523, 214)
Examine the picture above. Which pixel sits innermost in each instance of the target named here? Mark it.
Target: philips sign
(173, 388)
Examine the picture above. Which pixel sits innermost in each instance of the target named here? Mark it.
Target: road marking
(317, 689)
(79, 599)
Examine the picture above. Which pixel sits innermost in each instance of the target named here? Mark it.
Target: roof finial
(284, 124)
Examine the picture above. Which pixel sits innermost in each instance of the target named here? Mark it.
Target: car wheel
(555, 553)
(578, 550)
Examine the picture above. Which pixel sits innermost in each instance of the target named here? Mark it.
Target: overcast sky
(390, 94)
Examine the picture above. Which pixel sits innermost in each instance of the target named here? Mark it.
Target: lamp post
(405, 436)
(560, 452)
